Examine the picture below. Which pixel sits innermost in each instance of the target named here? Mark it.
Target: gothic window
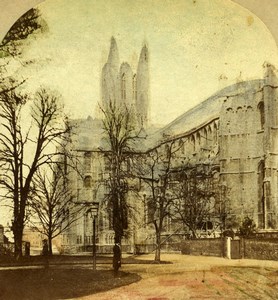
(167, 151)
(95, 169)
(262, 196)
(87, 161)
(205, 136)
(134, 87)
(209, 135)
(181, 146)
(150, 211)
(110, 219)
(215, 134)
(262, 116)
(79, 239)
(198, 140)
(88, 182)
(193, 143)
(123, 86)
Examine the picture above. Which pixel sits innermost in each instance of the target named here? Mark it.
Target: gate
(235, 249)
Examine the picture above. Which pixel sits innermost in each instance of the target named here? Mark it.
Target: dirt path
(192, 277)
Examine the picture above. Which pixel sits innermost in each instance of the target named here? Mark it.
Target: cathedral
(234, 133)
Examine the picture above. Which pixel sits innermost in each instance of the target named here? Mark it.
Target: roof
(202, 113)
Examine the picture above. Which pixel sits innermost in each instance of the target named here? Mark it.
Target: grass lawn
(71, 259)
(57, 283)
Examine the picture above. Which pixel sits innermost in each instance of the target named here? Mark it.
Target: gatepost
(228, 247)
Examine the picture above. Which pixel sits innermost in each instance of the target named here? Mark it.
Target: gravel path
(198, 277)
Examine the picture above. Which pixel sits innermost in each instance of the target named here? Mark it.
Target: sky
(196, 48)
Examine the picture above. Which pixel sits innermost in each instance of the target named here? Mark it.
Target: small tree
(52, 204)
(155, 169)
(197, 199)
(120, 131)
(248, 227)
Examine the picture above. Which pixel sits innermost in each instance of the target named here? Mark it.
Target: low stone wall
(208, 247)
(256, 248)
(261, 249)
(165, 247)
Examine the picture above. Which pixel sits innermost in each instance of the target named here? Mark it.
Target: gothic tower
(142, 99)
(109, 80)
(122, 87)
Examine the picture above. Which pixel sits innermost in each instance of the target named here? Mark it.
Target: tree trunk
(49, 245)
(18, 232)
(194, 234)
(158, 246)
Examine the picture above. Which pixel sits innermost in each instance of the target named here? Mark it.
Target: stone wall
(265, 249)
(261, 249)
(208, 247)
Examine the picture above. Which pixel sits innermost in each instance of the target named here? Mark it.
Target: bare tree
(197, 203)
(24, 150)
(155, 169)
(52, 203)
(120, 131)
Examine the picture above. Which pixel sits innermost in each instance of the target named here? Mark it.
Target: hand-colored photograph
(138, 153)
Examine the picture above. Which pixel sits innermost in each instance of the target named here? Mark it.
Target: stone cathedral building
(235, 131)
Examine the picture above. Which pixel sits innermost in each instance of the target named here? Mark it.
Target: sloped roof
(202, 113)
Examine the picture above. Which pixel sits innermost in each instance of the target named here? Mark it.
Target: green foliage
(248, 227)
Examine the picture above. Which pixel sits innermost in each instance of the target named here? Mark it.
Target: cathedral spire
(142, 101)
(113, 57)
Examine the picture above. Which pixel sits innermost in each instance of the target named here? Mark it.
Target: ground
(199, 277)
(187, 277)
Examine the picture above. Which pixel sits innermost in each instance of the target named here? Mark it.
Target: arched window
(198, 141)
(181, 146)
(123, 86)
(205, 136)
(209, 136)
(134, 87)
(87, 161)
(88, 182)
(215, 134)
(167, 151)
(193, 143)
(262, 116)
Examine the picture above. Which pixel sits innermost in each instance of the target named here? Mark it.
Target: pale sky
(191, 46)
